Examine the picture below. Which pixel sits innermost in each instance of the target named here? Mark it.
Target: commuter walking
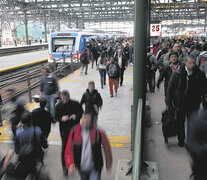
(168, 70)
(12, 110)
(84, 152)
(122, 59)
(101, 65)
(202, 60)
(50, 90)
(151, 68)
(29, 145)
(84, 58)
(92, 100)
(1, 123)
(68, 113)
(113, 71)
(186, 89)
(42, 118)
(197, 145)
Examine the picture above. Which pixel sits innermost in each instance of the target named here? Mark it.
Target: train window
(63, 44)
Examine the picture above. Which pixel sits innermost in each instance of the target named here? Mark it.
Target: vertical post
(1, 34)
(58, 21)
(64, 68)
(139, 79)
(29, 88)
(26, 27)
(71, 65)
(45, 27)
(54, 64)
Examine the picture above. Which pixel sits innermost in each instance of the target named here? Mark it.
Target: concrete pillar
(45, 26)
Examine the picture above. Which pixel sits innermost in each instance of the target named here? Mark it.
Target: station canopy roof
(99, 10)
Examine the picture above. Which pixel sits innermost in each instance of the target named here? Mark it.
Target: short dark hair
(26, 118)
(65, 93)
(43, 102)
(91, 83)
(46, 69)
(173, 53)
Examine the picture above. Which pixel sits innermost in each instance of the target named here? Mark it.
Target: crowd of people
(182, 65)
(82, 139)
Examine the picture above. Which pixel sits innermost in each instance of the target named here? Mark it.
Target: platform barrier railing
(137, 160)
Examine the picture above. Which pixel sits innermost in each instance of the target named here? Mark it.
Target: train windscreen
(63, 44)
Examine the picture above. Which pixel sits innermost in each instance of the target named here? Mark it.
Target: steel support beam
(26, 27)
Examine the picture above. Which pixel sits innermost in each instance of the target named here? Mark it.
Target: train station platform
(20, 60)
(114, 118)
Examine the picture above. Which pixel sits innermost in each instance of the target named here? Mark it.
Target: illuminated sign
(64, 34)
(155, 30)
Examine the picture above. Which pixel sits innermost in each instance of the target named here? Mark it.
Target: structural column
(140, 33)
(205, 20)
(26, 27)
(45, 26)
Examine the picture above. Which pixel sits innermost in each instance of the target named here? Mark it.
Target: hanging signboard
(155, 30)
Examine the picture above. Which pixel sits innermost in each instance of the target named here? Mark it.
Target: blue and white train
(69, 44)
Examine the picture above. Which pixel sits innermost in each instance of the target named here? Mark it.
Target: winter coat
(186, 91)
(73, 149)
(91, 99)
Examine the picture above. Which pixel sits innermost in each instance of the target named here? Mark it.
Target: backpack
(148, 63)
(112, 70)
(84, 58)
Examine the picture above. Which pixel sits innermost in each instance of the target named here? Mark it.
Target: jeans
(121, 75)
(86, 68)
(150, 76)
(102, 76)
(51, 105)
(92, 175)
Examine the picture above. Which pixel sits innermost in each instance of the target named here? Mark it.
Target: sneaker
(101, 87)
(112, 96)
(120, 84)
(86, 73)
(1, 124)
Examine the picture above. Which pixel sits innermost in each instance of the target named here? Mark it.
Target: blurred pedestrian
(68, 113)
(42, 118)
(197, 144)
(84, 150)
(84, 59)
(50, 90)
(1, 123)
(12, 110)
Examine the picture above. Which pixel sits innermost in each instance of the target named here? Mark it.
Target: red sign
(192, 32)
(63, 34)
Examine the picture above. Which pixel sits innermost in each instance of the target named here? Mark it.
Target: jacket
(91, 99)
(186, 91)
(123, 62)
(118, 70)
(165, 73)
(202, 61)
(73, 149)
(72, 107)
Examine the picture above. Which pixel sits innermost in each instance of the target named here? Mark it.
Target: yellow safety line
(22, 65)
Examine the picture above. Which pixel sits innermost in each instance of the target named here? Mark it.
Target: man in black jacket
(68, 113)
(92, 100)
(186, 89)
(122, 60)
(42, 118)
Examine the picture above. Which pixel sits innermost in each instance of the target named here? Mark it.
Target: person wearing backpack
(113, 72)
(84, 150)
(84, 58)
